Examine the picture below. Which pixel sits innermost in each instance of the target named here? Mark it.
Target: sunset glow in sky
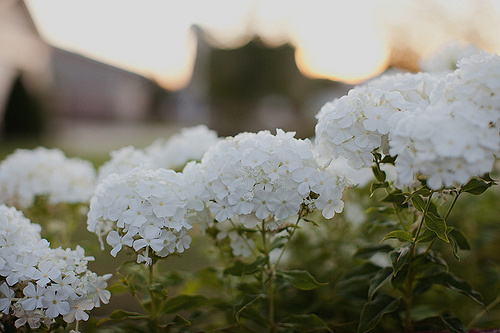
(346, 41)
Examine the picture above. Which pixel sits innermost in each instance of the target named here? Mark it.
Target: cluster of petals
(146, 210)
(26, 174)
(38, 283)
(358, 123)
(457, 136)
(172, 153)
(444, 60)
(259, 177)
(441, 129)
(188, 145)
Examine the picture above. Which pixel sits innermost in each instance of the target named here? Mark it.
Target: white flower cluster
(38, 283)
(445, 130)
(356, 124)
(264, 177)
(188, 145)
(26, 174)
(145, 210)
(172, 153)
(122, 161)
(457, 136)
(445, 59)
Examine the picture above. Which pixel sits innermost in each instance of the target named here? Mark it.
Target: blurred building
(246, 89)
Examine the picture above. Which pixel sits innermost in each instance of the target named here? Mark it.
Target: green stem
(445, 217)
(270, 278)
(484, 312)
(452, 205)
(299, 216)
(153, 312)
(419, 228)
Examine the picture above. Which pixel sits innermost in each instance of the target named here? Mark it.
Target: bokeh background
(89, 76)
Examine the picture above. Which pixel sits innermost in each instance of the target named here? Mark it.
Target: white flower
(34, 297)
(26, 174)
(135, 209)
(56, 302)
(7, 296)
(78, 308)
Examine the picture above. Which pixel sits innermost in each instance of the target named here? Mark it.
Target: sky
(347, 41)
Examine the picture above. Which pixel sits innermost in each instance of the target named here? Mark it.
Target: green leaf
(300, 279)
(418, 203)
(241, 268)
(366, 252)
(398, 279)
(305, 323)
(373, 311)
(245, 303)
(459, 237)
(379, 174)
(426, 236)
(388, 159)
(254, 314)
(120, 315)
(453, 324)
(398, 258)
(451, 282)
(436, 224)
(184, 302)
(376, 186)
(401, 235)
(379, 280)
(476, 186)
(396, 197)
(178, 321)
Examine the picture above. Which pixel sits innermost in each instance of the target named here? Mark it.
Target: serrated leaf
(476, 186)
(418, 203)
(453, 324)
(184, 302)
(120, 315)
(373, 311)
(379, 280)
(240, 268)
(401, 235)
(366, 252)
(300, 279)
(436, 224)
(305, 323)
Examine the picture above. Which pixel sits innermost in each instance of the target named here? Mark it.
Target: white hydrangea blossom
(188, 145)
(172, 153)
(445, 59)
(26, 174)
(457, 136)
(38, 283)
(476, 80)
(145, 210)
(356, 124)
(122, 161)
(256, 177)
(442, 129)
